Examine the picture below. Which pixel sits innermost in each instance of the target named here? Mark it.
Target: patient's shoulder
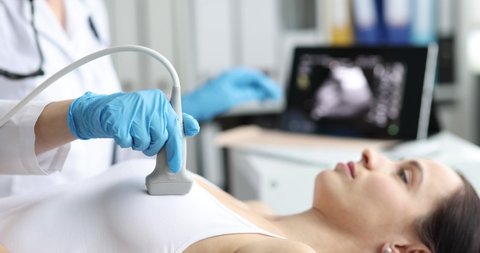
(276, 245)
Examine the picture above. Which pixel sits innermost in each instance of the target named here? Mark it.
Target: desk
(279, 168)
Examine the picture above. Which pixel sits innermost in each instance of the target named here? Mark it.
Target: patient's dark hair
(455, 225)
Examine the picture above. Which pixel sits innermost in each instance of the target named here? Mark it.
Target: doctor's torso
(85, 30)
(60, 46)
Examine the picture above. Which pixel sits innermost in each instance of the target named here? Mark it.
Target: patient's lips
(348, 169)
(351, 167)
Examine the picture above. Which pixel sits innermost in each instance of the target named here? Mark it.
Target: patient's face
(378, 195)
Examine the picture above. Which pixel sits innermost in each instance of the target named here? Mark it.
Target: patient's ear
(416, 247)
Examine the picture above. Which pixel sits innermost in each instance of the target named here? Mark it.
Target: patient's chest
(113, 213)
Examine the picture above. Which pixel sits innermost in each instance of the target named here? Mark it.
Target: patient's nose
(373, 160)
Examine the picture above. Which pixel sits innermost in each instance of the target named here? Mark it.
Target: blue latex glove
(227, 90)
(143, 120)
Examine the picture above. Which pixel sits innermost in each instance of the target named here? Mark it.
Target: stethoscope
(39, 72)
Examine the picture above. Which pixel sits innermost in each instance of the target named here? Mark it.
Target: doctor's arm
(143, 121)
(51, 128)
(227, 90)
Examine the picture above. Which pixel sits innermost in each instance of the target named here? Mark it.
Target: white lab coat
(18, 53)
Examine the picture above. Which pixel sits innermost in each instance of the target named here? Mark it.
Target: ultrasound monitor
(368, 92)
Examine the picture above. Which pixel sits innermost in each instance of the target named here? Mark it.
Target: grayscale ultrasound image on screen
(359, 95)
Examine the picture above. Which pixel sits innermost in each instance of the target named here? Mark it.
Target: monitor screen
(369, 92)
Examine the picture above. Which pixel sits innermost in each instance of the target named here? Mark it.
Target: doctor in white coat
(39, 37)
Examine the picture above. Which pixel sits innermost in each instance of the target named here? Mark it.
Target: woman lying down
(372, 205)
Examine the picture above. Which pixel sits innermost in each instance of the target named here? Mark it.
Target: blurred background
(204, 37)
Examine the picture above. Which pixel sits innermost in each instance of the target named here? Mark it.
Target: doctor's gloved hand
(143, 120)
(227, 90)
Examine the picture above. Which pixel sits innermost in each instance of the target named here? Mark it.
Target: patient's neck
(314, 229)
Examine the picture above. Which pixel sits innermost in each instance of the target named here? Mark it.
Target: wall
(161, 25)
(460, 116)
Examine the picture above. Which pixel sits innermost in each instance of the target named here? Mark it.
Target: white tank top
(113, 213)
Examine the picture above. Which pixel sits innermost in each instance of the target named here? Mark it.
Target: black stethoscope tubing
(39, 72)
